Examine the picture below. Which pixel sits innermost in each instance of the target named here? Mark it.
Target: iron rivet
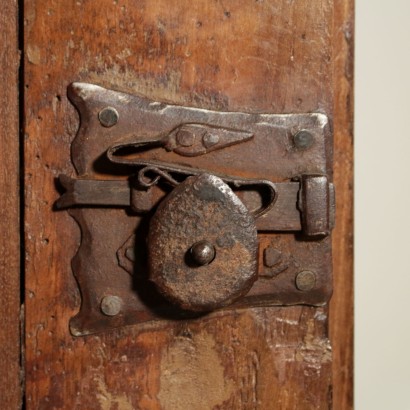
(130, 254)
(305, 280)
(203, 253)
(111, 305)
(210, 140)
(303, 139)
(185, 138)
(271, 256)
(108, 117)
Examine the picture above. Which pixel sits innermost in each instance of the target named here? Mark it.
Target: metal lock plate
(137, 163)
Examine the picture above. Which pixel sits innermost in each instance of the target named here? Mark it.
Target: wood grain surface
(341, 305)
(10, 380)
(259, 56)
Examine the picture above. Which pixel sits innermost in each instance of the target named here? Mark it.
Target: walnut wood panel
(253, 56)
(341, 306)
(10, 389)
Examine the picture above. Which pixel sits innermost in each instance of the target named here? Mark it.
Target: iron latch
(185, 210)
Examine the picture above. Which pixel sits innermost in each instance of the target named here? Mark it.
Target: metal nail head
(305, 280)
(209, 140)
(303, 139)
(108, 117)
(203, 253)
(271, 256)
(111, 305)
(185, 138)
(130, 254)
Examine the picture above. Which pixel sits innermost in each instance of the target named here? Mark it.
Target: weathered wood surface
(263, 56)
(10, 383)
(341, 306)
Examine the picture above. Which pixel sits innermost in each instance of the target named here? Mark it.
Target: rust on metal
(132, 156)
(149, 124)
(305, 280)
(202, 253)
(111, 305)
(303, 139)
(142, 196)
(197, 139)
(271, 256)
(108, 117)
(314, 202)
(203, 208)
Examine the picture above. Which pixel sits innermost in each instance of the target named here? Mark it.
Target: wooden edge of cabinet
(341, 305)
(10, 382)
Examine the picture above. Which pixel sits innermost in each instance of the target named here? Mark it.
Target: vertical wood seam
(10, 342)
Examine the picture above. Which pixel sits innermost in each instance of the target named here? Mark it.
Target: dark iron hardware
(202, 245)
(215, 208)
(118, 193)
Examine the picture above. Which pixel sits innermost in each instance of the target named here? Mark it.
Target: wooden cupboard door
(252, 56)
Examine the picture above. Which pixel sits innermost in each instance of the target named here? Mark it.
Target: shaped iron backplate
(125, 143)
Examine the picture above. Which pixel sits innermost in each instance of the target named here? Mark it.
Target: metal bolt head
(185, 138)
(203, 253)
(108, 117)
(209, 140)
(305, 280)
(271, 256)
(303, 139)
(130, 254)
(111, 305)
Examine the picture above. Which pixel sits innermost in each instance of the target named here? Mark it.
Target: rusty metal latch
(185, 210)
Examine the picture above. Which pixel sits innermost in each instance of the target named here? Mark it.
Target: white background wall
(382, 233)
